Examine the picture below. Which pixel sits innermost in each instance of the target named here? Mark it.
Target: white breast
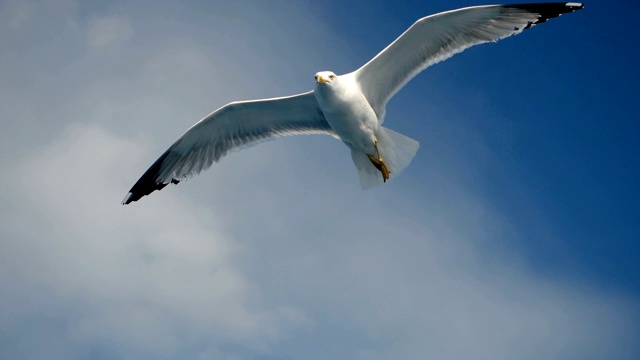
(348, 112)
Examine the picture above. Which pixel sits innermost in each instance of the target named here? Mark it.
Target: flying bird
(350, 107)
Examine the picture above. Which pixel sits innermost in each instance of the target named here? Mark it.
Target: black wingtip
(548, 10)
(140, 189)
(148, 182)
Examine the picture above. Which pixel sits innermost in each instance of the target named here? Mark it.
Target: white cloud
(24, 16)
(156, 277)
(275, 251)
(20, 13)
(388, 281)
(109, 31)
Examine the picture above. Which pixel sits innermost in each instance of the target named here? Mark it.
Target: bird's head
(330, 86)
(325, 77)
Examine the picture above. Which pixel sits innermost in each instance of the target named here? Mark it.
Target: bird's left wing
(235, 125)
(437, 37)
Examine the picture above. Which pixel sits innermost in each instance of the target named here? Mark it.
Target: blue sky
(567, 148)
(513, 234)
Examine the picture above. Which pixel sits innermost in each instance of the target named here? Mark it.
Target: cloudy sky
(512, 235)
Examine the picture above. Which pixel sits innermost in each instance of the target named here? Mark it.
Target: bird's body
(350, 107)
(347, 111)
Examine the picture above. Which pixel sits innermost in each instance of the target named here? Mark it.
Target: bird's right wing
(235, 125)
(437, 37)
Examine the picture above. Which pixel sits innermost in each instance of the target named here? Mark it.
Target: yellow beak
(322, 80)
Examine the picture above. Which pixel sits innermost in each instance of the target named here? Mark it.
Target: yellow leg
(378, 162)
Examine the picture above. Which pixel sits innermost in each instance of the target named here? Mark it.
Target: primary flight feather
(350, 107)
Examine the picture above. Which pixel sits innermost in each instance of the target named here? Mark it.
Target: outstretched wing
(437, 37)
(234, 125)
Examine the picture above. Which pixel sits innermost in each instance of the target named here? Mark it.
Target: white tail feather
(396, 149)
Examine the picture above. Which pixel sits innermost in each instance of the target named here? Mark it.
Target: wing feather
(437, 37)
(233, 126)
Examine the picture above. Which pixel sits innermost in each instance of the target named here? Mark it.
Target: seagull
(350, 107)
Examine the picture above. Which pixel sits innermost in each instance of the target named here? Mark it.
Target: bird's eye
(332, 77)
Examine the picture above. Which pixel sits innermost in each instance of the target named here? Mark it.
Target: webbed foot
(380, 165)
(378, 162)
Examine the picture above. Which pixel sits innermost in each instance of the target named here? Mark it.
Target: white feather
(351, 106)
(438, 37)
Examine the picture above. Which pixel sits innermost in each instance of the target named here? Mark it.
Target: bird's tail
(396, 149)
